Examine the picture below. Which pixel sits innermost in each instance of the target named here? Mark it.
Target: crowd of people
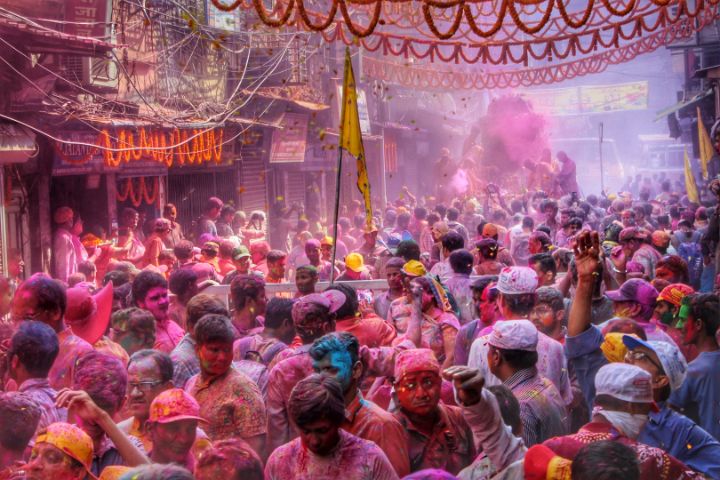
(519, 337)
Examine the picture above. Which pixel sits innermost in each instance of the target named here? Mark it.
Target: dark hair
(395, 262)
(706, 308)
(137, 321)
(420, 213)
(87, 268)
(214, 328)
(545, 261)
(539, 235)
(509, 407)
(36, 345)
(403, 219)
(551, 296)
(20, 417)
(144, 282)
(574, 222)
(336, 342)
(244, 288)
(677, 265)
(227, 210)
(488, 248)
(275, 256)
(181, 281)
(543, 229)
(50, 294)
(117, 278)
(520, 304)
(441, 210)
(350, 307)
(162, 361)
(314, 398)
(519, 359)
(528, 222)
(452, 214)
(201, 305)
(606, 460)
(461, 261)
(547, 203)
(432, 218)
(482, 282)
(104, 378)
(453, 241)
(408, 250)
(278, 311)
(183, 250)
(234, 452)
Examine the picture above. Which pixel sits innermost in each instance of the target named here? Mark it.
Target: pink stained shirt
(167, 335)
(352, 459)
(72, 348)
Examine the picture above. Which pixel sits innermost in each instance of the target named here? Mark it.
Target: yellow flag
(351, 135)
(706, 147)
(690, 186)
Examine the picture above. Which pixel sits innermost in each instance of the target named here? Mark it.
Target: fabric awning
(686, 103)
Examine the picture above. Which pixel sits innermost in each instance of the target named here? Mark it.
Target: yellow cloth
(351, 135)
(690, 186)
(705, 145)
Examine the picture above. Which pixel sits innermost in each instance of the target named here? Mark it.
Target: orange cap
(70, 440)
(174, 405)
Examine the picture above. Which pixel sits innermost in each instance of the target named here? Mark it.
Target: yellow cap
(413, 268)
(70, 440)
(354, 261)
(327, 240)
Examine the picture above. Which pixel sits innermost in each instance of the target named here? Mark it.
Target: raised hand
(587, 254)
(80, 403)
(468, 383)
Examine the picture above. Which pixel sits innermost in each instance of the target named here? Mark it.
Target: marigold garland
(142, 193)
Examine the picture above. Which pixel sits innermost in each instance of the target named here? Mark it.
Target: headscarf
(444, 299)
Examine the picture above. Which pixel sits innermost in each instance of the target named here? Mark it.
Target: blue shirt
(699, 395)
(585, 357)
(683, 439)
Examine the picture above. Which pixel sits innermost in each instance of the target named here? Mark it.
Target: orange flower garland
(142, 193)
(197, 147)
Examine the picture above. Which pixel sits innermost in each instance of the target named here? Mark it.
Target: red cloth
(655, 464)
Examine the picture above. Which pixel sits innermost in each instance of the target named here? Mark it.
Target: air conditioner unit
(93, 73)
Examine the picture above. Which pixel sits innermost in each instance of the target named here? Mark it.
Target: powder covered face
(48, 461)
(319, 437)
(337, 365)
(215, 357)
(305, 282)
(172, 441)
(144, 384)
(156, 302)
(419, 392)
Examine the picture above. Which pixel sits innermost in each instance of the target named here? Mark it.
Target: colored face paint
(215, 358)
(419, 392)
(337, 365)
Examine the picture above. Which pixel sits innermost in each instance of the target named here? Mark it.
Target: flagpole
(337, 212)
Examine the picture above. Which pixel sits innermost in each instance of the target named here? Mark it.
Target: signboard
(362, 108)
(289, 141)
(229, 21)
(589, 99)
(87, 18)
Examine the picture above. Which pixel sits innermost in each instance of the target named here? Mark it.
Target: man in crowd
(150, 291)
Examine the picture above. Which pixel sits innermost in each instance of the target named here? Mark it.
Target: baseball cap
(517, 281)
(672, 360)
(354, 261)
(624, 382)
(240, 252)
(330, 299)
(674, 293)
(413, 268)
(71, 440)
(415, 360)
(174, 405)
(211, 247)
(634, 290)
(326, 240)
(514, 335)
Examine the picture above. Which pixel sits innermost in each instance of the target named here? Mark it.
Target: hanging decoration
(431, 78)
(138, 194)
(178, 147)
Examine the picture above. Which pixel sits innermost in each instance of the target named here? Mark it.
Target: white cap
(517, 281)
(624, 382)
(672, 360)
(514, 335)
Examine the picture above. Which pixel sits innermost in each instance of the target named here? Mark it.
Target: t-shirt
(699, 395)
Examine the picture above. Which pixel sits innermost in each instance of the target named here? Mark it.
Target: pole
(602, 169)
(337, 213)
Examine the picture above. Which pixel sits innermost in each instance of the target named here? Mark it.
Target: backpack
(692, 254)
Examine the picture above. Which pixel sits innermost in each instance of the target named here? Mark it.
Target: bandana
(415, 360)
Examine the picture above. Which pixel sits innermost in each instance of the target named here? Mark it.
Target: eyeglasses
(144, 386)
(542, 310)
(635, 355)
